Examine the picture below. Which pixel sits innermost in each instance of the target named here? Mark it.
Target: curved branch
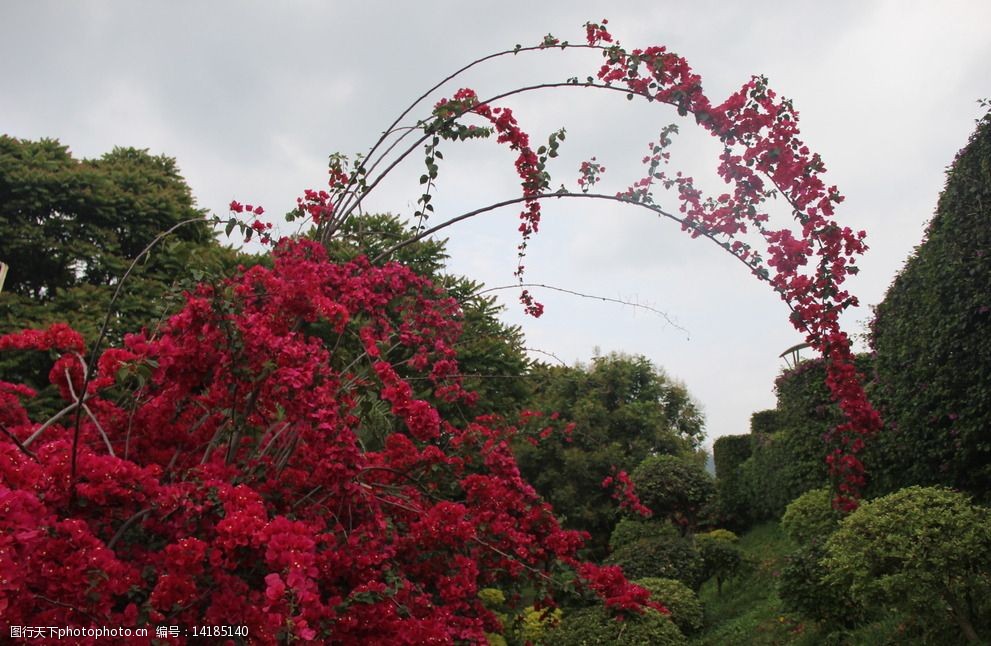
(478, 61)
(87, 374)
(561, 194)
(590, 296)
(346, 211)
(549, 354)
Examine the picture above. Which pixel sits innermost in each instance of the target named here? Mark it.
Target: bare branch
(591, 296)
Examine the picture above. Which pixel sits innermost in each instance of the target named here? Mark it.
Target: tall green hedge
(784, 455)
(932, 337)
(729, 452)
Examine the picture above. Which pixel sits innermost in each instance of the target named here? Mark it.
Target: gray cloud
(251, 97)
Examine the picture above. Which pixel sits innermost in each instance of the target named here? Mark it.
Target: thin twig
(549, 354)
(123, 528)
(51, 420)
(89, 413)
(590, 296)
(19, 444)
(87, 376)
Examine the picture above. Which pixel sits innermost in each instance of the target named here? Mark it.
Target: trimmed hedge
(788, 459)
(932, 336)
(810, 518)
(596, 627)
(685, 607)
(668, 558)
(729, 452)
(765, 421)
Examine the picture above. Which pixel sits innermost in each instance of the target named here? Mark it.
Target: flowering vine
(762, 158)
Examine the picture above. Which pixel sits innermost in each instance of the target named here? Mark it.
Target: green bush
(673, 487)
(596, 627)
(629, 530)
(923, 550)
(669, 558)
(810, 517)
(722, 535)
(685, 607)
(932, 336)
(533, 625)
(803, 590)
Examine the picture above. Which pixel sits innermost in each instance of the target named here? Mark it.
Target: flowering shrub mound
(218, 477)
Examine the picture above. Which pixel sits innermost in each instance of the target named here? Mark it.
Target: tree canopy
(624, 409)
(72, 227)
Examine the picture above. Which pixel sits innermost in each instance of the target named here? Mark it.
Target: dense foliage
(619, 410)
(204, 487)
(760, 473)
(729, 452)
(810, 518)
(681, 602)
(629, 530)
(592, 626)
(491, 359)
(925, 550)
(71, 228)
(932, 338)
(674, 488)
(805, 589)
(668, 557)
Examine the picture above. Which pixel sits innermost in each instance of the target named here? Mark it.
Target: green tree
(924, 550)
(70, 230)
(624, 409)
(721, 556)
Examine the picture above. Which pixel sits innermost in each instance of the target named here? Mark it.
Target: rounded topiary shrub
(629, 530)
(669, 558)
(804, 590)
(597, 627)
(674, 487)
(685, 607)
(922, 550)
(810, 517)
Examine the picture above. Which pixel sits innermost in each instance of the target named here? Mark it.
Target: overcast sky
(251, 98)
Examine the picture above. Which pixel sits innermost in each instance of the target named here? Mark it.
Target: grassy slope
(749, 610)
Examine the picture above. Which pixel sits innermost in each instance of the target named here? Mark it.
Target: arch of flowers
(212, 473)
